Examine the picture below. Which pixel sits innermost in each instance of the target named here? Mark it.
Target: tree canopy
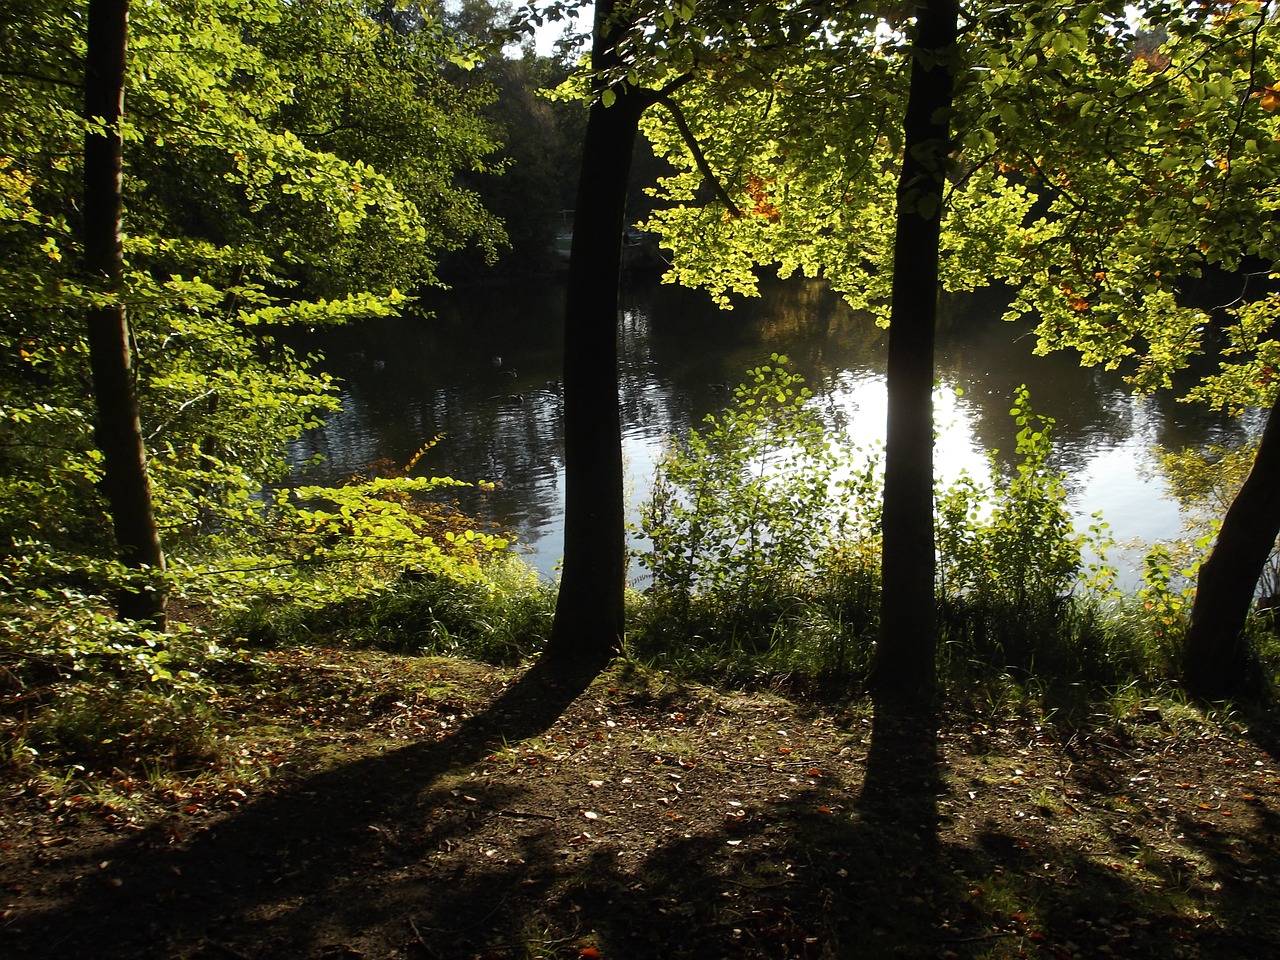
(1105, 159)
(284, 164)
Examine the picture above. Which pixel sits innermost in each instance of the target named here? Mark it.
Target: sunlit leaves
(1106, 163)
(1013, 547)
(1157, 167)
(286, 164)
(745, 504)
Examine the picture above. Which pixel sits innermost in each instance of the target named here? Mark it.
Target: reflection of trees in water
(651, 404)
(989, 358)
(484, 370)
(1180, 425)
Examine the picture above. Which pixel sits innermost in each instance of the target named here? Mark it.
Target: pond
(481, 369)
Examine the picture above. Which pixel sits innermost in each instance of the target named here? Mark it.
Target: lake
(482, 369)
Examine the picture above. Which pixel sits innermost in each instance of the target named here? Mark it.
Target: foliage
(502, 618)
(740, 509)
(83, 687)
(287, 164)
(1184, 185)
(1205, 480)
(384, 93)
(63, 628)
(766, 547)
(534, 174)
(1165, 598)
(1102, 164)
(1108, 160)
(1010, 556)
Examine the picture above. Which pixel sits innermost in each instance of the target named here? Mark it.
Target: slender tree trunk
(589, 615)
(904, 663)
(1217, 663)
(118, 431)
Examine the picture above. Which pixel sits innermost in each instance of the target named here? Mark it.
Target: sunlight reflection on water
(483, 369)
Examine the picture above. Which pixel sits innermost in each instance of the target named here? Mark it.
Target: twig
(228, 950)
(523, 815)
(986, 936)
(417, 934)
(760, 886)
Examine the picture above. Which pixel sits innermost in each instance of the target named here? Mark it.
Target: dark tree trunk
(1217, 663)
(589, 616)
(118, 431)
(904, 663)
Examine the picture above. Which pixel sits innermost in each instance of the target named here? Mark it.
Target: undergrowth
(764, 574)
(503, 617)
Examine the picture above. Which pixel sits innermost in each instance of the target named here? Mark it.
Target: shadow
(280, 872)
(899, 807)
(903, 778)
(672, 844)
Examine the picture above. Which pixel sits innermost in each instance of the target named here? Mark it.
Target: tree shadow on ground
(285, 866)
(411, 854)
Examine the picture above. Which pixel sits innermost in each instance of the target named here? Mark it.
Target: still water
(482, 369)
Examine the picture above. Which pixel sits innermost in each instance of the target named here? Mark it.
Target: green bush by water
(765, 561)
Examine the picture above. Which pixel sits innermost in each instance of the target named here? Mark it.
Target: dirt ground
(430, 808)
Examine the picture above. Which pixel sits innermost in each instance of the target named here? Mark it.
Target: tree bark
(1217, 663)
(118, 431)
(589, 618)
(904, 662)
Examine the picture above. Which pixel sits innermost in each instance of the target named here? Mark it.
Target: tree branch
(698, 157)
(41, 78)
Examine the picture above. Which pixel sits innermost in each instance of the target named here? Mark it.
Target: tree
(534, 176)
(640, 56)
(1217, 663)
(260, 193)
(392, 92)
(119, 431)
(905, 656)
(1096, 171)
(838, 239)
(1183, 187)
(590, 611)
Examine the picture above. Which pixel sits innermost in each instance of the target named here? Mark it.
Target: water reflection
(482, 368)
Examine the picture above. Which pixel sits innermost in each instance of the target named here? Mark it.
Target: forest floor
(381, 806)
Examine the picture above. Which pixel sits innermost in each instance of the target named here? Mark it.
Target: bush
(502, 617)
(742, 514)
(766, 557)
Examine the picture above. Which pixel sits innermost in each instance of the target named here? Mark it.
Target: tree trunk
(904, 662)
(1217, 663)
(118, 431)
(589, 615)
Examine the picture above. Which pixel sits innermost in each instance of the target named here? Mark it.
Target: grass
(106, 709)
(503, 618)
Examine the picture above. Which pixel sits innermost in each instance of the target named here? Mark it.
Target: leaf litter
(652, 818)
